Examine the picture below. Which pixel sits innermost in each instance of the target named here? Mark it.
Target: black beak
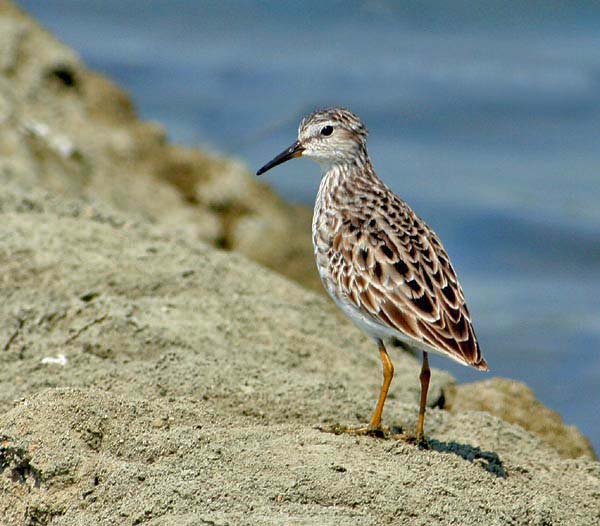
(295, 150)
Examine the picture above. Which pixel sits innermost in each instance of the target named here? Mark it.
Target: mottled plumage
(381, 263)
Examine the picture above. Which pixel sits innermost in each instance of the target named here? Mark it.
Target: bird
(379, 261)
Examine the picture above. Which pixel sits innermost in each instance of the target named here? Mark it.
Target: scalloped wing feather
(394, 268)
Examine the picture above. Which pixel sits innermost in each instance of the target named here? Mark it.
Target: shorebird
(380, 262)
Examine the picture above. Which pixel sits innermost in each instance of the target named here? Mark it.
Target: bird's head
(329, 137)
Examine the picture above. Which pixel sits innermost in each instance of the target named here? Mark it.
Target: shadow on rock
(488, 460)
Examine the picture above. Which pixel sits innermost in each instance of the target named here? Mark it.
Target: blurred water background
(484, 116)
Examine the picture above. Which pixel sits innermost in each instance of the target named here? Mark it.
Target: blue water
(484, 116)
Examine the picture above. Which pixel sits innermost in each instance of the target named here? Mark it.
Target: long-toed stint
(379, 261)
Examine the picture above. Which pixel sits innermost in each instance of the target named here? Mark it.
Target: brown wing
(394, 267)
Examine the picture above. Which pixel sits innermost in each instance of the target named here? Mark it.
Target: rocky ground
(147, 377)
(150, 380)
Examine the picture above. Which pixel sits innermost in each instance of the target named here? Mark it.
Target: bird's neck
(343, 180)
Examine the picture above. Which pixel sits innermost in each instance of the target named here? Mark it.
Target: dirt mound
(196, 382)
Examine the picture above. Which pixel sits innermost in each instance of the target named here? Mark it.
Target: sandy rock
(124, 304)
(514, 402)
(147, 380)
(74, 456)
(70, 130)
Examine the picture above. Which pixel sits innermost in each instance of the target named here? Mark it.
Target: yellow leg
(388, 374)
(424, 377)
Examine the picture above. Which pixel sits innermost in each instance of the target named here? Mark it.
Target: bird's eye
(327, 130)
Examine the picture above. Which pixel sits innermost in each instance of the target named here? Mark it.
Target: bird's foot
(340, 429)
(375, 432)
(419, 441)
(395, 433)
